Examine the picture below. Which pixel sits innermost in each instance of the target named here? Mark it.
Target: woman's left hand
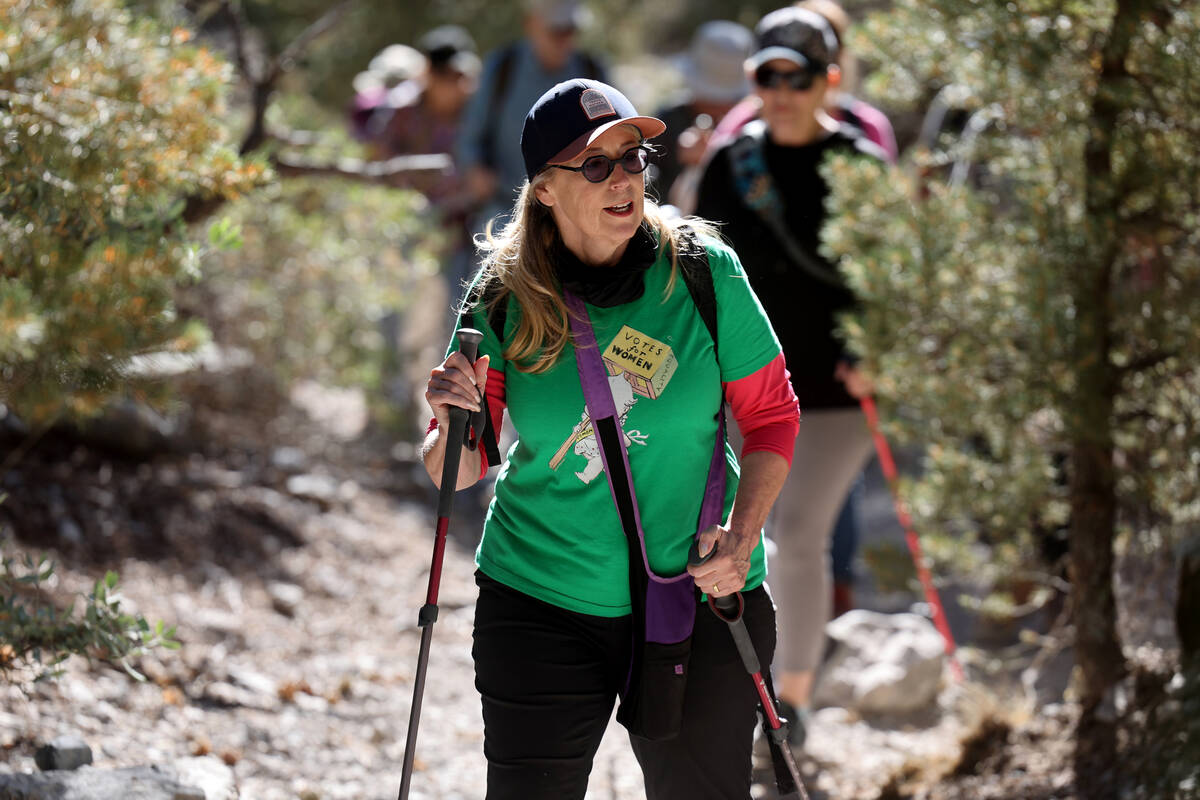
(724, 573)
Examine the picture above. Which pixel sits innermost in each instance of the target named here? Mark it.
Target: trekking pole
(468, 344)
(888, 465)
(729, 610)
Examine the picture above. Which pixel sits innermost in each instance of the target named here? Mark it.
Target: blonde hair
(518, 262)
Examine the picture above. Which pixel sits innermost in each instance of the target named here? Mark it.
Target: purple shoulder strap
(665, 611)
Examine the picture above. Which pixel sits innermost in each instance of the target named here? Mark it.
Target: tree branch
(391, 172)
(237, 21)
(395, 172)
(262, 89)
(285, 60)
(1145, 362)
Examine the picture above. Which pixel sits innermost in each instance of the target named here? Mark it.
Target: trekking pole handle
(468, 345)
(728, 607)
(468, 342)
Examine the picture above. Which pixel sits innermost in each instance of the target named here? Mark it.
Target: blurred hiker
(715, 79)
(567, 619)
(419, 95)
(422, 115)
(392, 68)
(514, 77)
(840, 101)
(767, 188)
(844, 106)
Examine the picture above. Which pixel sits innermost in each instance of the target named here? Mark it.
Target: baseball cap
(392, 66)
(714, 69)
(797, 35)
(450, 47)
(569, 117)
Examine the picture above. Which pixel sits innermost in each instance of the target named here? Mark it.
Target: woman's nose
(619, 177)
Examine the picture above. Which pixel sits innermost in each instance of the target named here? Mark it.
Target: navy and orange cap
(567, 119)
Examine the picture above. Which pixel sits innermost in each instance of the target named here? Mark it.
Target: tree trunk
(1187, 606)
(1090, 428)
(1093, 483)
(1093, 525)
(1093, 522)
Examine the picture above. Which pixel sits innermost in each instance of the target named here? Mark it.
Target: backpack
(504, 68)
(756, 187)
(697, 277)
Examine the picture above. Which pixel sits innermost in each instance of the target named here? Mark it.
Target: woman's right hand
(453, 383)
(456, 382)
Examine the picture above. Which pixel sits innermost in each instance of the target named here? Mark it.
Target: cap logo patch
(595, 104)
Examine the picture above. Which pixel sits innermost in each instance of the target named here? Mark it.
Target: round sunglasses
(795, 79)
(596, 169)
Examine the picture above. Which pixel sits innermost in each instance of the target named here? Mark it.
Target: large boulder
(204, 778)
(881, 663)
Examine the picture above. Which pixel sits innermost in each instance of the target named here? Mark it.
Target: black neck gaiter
(612, 285)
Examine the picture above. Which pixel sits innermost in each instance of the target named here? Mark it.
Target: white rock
(883, 663)
(285, 597)
(209, 774)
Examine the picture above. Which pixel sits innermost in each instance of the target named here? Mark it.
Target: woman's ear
(543, 193)
(834, 75)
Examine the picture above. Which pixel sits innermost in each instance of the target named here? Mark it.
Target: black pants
(549, 678)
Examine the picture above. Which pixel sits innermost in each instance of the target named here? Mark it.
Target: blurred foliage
(109, 121)
(36, 637)
(115, 117)
(321, 263)
(621, 31)
(979, 260)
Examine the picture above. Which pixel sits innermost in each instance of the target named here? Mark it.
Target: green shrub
(109, 122)
(36, 637)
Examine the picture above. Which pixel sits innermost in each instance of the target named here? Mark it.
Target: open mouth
(623, 210)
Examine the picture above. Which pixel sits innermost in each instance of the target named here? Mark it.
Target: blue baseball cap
(567, 119)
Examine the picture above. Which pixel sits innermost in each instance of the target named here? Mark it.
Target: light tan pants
(831, 450)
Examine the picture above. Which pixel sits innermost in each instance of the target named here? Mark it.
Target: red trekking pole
(888, 465)
(729, 609)
(468, 344)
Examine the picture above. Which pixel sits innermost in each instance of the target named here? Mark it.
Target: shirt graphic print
(638, 366)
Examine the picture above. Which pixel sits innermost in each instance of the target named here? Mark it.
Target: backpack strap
(697, 277)
(754, 185)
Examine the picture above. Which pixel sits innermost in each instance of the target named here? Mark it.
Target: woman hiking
(600, 500)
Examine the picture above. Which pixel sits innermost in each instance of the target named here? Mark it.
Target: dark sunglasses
(596, 169)
(795, 79)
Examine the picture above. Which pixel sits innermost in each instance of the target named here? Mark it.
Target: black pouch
(665, 610)
(653, 706)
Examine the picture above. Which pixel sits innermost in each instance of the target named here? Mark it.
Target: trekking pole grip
(729, 609)
(468, 345)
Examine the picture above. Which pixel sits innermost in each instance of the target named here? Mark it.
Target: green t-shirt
(552, 531)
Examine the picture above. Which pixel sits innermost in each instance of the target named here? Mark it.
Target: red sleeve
(496, 403)
(766, 409)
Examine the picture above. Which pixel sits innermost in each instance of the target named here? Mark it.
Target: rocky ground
(293, 564)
